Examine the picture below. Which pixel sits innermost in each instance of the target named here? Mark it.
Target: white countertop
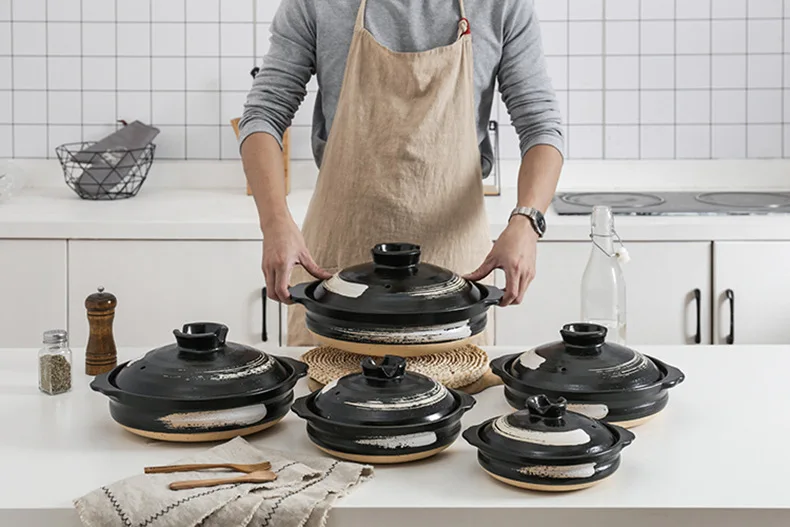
(229, 214)
(717, 456)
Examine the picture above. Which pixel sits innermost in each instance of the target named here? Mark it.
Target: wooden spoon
(262, 476)
(255, 467)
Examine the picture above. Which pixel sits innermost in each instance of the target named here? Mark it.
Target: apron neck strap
(464, 27)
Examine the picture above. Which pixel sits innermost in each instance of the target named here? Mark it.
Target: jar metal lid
(56, 336)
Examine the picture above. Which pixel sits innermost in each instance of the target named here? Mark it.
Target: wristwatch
(535, 217)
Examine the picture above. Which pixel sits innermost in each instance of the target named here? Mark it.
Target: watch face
(541, 223)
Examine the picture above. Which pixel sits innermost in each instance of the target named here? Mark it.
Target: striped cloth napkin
(301, 496)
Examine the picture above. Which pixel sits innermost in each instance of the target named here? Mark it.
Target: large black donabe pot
(599, 379)
(395, 301)
(201, 388)
(384, 414)
(547, 448)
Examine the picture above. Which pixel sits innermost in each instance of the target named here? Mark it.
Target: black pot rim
(623, 439)
(104, 384)
(671, 377)
(302, 407)
(303, 294)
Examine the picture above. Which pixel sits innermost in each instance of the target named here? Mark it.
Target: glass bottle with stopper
(603, 285)
(100, 354)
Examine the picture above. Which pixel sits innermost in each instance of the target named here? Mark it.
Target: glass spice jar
(54, 363)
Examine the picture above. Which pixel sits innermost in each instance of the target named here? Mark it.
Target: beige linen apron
(402, 163)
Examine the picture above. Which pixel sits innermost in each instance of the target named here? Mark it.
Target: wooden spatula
(237, 467)
(262, 476)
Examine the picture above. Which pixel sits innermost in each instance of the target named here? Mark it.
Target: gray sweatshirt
(313, 37)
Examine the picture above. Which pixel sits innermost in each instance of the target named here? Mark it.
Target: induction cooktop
(674, 203)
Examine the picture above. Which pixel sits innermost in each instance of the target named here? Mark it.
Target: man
(400, 136)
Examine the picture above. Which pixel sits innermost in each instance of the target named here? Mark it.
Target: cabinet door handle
(698, 300)
(264, 302)
(730, 294)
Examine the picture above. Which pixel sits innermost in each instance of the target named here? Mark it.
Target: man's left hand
(514, 252)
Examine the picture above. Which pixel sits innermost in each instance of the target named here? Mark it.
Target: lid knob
(391, 368)
(396, 255)
(542, 407)
(584, 335)
(201, 338)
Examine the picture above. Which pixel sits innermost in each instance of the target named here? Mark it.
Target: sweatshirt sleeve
(281, 84)
(524, 81)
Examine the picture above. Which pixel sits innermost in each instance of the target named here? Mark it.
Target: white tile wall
(654, 79)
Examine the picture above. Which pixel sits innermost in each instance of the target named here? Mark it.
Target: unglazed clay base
(542, 488)
(382, 460)
(203, 436)
(404, 350)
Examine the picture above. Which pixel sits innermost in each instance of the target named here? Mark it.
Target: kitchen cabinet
(32, 290)
(751, 292)
(665, 284)
(161, 285)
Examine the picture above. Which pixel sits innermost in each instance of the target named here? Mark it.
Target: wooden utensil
(262, 476)
(100, 353)
(237, 467)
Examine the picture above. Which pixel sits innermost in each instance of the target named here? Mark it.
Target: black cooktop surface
(674, 203)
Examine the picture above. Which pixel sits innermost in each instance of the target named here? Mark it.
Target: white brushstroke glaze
(636, 363)
(593, 411)
(401, 441)
(530, 359)
(586, 470)
(418, 335)
(432, 396)
(455, 284)
(263, 365)
(566, 438)
(329, 386)
(343, 288)
(243, 416)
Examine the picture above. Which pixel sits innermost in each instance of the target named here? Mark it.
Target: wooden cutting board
(286, 156)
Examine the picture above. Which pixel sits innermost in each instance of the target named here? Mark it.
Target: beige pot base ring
(542, 488)
(202, 437)
(382, 460)
(401, 350)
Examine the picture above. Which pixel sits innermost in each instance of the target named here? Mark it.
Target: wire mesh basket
(107, 174)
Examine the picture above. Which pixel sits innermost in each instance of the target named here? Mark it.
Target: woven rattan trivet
(465, 368)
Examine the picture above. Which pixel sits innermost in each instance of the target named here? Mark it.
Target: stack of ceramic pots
(397, 307)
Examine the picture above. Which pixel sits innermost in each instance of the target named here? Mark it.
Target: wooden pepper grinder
(100, 354)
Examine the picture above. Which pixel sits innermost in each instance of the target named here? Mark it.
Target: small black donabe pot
(201, 388)
(395, 300)
(599, 379)
(547, 448)
(384, 414)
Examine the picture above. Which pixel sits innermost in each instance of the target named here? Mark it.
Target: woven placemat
(454, 369)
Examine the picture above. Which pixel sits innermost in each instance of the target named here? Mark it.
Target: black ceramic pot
(547, 448)
(599, 379)
(384, 414)
(201, 388)
(395, 301)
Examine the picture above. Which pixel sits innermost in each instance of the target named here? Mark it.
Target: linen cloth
(301, 496)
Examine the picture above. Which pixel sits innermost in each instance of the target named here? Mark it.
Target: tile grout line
(47, 154)
(567, 73)
(186, 82)
(13, 80)
(82, 79)
(604, 126)
(219, 79)
(117, 104)
(746, 80)
(710, 80)
(675, 154)
(783, 84)
(639, 82)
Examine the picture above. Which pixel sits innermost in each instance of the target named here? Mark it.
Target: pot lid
(201, 364)
(396, 282)
(583, 362)
(546, 430)
(384, 394)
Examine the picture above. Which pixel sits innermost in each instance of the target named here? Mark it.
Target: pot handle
(674, 376)
(299, 367)
(299, 407)
(472, 437)
(467, 401)
(626, 436)
(498, 365)
(101, 383)
(299, 292)
(494, 296)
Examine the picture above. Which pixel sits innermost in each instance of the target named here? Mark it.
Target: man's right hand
(283, 249)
